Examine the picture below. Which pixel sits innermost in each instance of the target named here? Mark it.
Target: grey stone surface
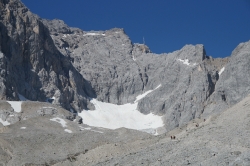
(233, 84)
(32, 66)
(185, 88)
(103, 58)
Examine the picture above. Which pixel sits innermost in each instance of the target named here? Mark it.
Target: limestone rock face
(104, 58)
(187, 80)
(32, 66)
(234, 81)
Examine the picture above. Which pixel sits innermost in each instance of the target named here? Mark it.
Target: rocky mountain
(50, 72)
(32, 66)
(47, 60)
(119, 70)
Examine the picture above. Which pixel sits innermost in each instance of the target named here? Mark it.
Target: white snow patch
(186, 62)
(5, 123)
(67, 130)
(134, 58)
(22, 98)
(156, 132)
(16, 105)
(221, 70)
(114, 116)
(23, 128)
(59, 120)
(93, 34)
(11, 115)
(64, 36)
(139, 97)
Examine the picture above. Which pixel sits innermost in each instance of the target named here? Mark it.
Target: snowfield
(114, 116)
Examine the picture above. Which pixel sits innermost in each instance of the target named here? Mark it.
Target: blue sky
(166, 25)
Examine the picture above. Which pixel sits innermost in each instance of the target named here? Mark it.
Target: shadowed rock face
(32, 66)
(43, 59)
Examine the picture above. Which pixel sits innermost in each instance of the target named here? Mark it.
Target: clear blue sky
(166, 25)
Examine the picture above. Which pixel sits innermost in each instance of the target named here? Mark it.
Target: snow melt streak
(139, 97)
(221, 70)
